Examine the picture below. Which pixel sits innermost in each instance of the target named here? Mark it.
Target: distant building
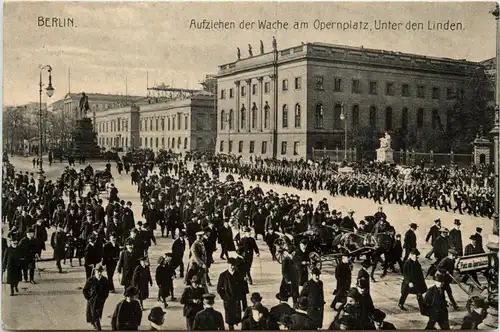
(180, 125)
(318, 85)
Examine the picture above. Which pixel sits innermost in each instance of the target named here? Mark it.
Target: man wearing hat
(441, 246)
(178, 249)
(282, 311)
(248, 247)
(300, 320)
(12, 263)
(435, 306)
(128, 312)
(290, 279)
(198, 261)
(378, 317)
(363, 275)
(446, 266)
(313, 291)
(141, 279)
(232, 292)
(29, 248)
(301, 260)
(192, 299)
(432, 235)
(455, 237)
(476, 315)
(414, 281)
(348, 221)
(479, 239)
(93, 255)
(127, 263)
(96, 291)
(472, 249)
(58, 243)
(156, 318)
(410, 240)
(343, 275)
(208, 318)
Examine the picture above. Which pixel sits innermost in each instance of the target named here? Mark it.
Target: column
(249, 103)
(237, 108)
(261, 102)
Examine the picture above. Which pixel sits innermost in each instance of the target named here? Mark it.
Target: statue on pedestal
(84, 105)
(385, 153)
(385, 141)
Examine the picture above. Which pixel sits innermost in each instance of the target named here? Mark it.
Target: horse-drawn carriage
(326, 243)
(101, 179)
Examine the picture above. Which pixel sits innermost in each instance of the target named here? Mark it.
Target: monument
(84, 138)
(385, 153)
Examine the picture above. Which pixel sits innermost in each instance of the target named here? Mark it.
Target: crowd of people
(200, 213)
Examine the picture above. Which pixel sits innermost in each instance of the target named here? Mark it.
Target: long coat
(299, 258)
(12, 262)
(301, 321)
(141, 280)
(231, 291)
(126, 266)
(58, 243)
(208, 319)
(316, 296)
(96, 292)
(164, 280)
(455, 241)
(412, 272)
(191, 293)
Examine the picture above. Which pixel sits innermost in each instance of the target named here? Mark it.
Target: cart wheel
(280, 245)
(315, 260)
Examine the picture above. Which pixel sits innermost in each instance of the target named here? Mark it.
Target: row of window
(171, 142)
(113, 141)
(356, 87)
(355, 116)
(159, 124)
(229, 118)
(263, 148)
(112, 126)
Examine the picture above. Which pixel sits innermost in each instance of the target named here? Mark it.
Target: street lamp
(50, 91)
(343, 117)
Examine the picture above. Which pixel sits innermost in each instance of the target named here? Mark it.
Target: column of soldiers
(204, 211)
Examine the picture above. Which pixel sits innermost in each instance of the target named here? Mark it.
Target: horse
(382, 245)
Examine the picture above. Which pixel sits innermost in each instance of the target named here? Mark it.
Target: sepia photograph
(257, 165)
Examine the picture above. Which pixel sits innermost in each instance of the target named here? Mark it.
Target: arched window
(404, 119)
(284, 116)
(297, 115)
(436, 120)
(355, 115)
(141, 141)
(151, 142)
(146, 142)
(168, 123)
(420, 118)
(168, 143)
(185, 143)
(243, 117)
(254, 116)
(231, 119)
(373, 117)
(173, 143)
(163, 142)
(337, 122)
(223, 120)
(178, 143)
(266, 116)
(388, 118)
(318, 116)
(157, 142)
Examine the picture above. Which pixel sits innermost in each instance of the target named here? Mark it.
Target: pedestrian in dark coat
(226, 240)
(40, 235)
(410, 240)
(208, 318)
(435, 305)
(126, 265)
(414, 281)
(455, 238)
(378, 318)
(110, 257)
(300, 320)
(96, 291)
(128, 312)
(141, 279)
(301, 260)
(93, 255)
(58, 243)
(258, 319)
(282, 311)
(476, 315)
(231, 291)
(290, 280)
(13, 264)
(192, 299)
(163, 277)
(313, 291)
(343, 275)
(363, 275)
(178, 249)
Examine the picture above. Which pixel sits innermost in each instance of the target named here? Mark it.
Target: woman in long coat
(142, 279)
(163, 277)
(12, 263)
(96, 291)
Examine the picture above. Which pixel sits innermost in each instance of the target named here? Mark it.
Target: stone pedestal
(85, 140)
(385, 155)
(482, 150)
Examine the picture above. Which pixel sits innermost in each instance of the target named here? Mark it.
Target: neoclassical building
(319, 86)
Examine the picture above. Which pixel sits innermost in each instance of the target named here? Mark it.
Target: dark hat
(182, 233)
(479, 302)
(365, 263)
(209, 296)
(156, 315)
(131, 291)
(315, 271)
(129, 242)
(452, 251)
(143, 258)
(415, 251)
(246, 229)
(444, 230)
(99, 267)
(457, 222)
(303, 303)
(281, 297)
(303, 241)
(479, 229)
(30, 230)
(413, 225)
(345, 252)
(354, 293)
(169, 254)
(256, 297)
(139, 223)
(378, 315)
(472, 237)
(232, 261)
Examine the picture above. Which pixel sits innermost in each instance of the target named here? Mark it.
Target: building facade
(322, 90)
(178, 125)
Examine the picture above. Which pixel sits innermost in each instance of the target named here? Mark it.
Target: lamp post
(50, 91)
(343, 117)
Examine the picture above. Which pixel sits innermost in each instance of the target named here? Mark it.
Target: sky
(114, 40)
